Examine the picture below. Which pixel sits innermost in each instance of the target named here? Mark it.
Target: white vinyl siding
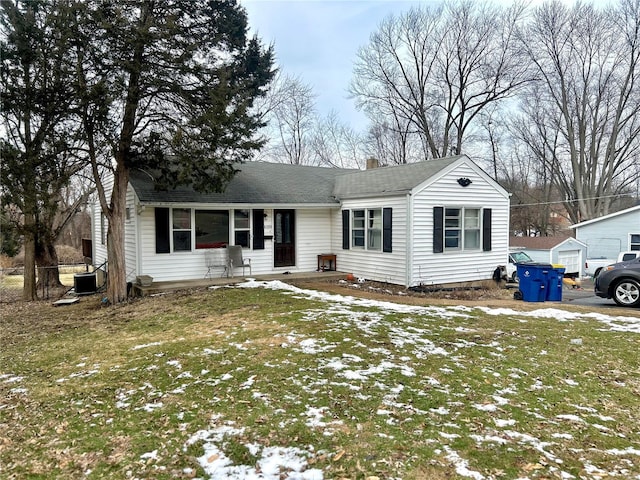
(313, 236)
(458, 265)
(374, 264)
(130, 238)
(100, 226)
(100, 248)
(98, 232)
(411, 260)
(607, 237)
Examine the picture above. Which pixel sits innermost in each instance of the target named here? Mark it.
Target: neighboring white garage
(560, 250)
(571, 259)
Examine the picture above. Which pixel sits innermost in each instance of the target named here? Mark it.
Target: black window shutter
(163, 245)
(438, 229)
(345, 229)
(386, 229)
(486, 230)
(258, 229)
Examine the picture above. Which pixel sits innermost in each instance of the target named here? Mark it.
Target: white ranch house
(433, 222)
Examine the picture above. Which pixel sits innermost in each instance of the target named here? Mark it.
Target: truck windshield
(521, 257)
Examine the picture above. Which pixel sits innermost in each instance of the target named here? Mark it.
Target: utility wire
(563, 201)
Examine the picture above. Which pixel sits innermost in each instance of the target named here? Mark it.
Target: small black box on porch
(84, 283)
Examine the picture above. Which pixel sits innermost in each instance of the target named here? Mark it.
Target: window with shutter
(438, 229)
(387, 237)
(486, 230)
(345, 229)
(163, 244)
(258, 229)
(461, 228)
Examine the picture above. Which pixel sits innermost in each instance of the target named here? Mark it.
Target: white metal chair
(216, 258)
(236, 260)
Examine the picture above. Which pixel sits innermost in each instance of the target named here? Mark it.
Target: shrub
(68, 255)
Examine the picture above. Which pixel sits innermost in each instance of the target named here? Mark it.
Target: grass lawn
(265, 381)
(11, 284)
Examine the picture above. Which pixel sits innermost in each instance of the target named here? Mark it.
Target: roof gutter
(386, 193)
(224, 206)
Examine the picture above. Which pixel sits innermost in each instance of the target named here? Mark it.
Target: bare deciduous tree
(440, 67)
(393, 140)
(336, 144)
(291, 115)
(580, 119)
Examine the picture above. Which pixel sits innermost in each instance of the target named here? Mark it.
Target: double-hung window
(374, 229)
(357, 229)
(181, 229)
(452, 228)
(242, 227)
(460, 229)
(366, 230)
(634, 241)
(471, 233)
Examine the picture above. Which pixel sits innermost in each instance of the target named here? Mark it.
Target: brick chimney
(372, 163)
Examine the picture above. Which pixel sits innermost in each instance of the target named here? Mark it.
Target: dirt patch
(500, 296)
(397, 293)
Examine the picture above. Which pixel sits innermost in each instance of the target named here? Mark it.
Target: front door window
(284, 238)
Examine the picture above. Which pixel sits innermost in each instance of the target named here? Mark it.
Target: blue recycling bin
(554, 286)
(533, 281)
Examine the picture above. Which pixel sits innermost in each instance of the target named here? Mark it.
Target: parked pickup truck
(593, 266)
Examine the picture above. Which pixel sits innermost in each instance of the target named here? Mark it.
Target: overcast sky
(317, 40)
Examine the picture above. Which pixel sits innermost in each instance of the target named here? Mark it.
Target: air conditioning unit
(84, 283)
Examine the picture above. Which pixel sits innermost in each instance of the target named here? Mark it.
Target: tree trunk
(47, 262)
(29, 288)
(116, 268)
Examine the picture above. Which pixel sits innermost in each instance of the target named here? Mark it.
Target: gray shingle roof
(275, 183)
(256, 182)
(393, 180)
(537, 243)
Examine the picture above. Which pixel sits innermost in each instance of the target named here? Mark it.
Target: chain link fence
(12, 282)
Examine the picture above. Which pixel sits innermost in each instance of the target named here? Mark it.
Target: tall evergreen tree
(37, 106)
(166, 85)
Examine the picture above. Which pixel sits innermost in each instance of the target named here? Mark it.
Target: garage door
(571, 260)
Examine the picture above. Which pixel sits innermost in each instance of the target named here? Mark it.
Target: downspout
(409, 242)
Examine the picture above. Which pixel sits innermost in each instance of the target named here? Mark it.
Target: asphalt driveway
(586, 296)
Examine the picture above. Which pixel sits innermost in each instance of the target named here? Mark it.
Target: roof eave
(394, 193)
(239, 205)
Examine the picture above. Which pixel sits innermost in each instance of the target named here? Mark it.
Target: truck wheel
(514, 277)
(627, 293)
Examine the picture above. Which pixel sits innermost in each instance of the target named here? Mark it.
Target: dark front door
(284, 238)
